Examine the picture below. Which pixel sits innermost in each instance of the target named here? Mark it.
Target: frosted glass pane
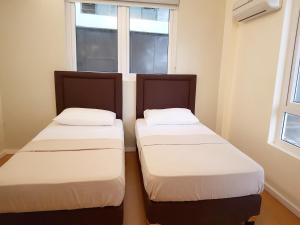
(96, 37)
(291, 129)
(297, 91)
(149, 40)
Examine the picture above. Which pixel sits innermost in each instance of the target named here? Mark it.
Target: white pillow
(86, 117)
(172, 116)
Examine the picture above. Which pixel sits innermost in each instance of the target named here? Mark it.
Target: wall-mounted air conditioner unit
(244, 10)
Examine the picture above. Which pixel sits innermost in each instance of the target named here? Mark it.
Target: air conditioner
(244, 10)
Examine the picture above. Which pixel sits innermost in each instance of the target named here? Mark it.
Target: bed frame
(161, 91)
(165, 91)
(86, 90)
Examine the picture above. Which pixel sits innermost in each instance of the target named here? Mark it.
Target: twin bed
(75, 174)
(70, 174)
(190, 174)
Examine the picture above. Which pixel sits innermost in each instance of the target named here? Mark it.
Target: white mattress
(50, 180)
(207, 170)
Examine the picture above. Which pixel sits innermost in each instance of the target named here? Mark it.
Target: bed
(70, 174)
(190, 174)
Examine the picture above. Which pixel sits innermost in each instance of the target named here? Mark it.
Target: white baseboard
(283, 200)
(130, 149)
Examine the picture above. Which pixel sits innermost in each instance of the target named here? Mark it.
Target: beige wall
(33, 46)
(244, 115)
(200, 35)
(1, 126)
(129, 99)
(227, 71)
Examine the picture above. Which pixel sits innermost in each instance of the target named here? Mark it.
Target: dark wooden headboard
(88, 90)
(165, 91)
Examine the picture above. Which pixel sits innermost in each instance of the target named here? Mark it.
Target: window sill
(129, 77)
(291, 150)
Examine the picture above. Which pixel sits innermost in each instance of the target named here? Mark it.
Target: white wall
(244, 114)
(33, 46)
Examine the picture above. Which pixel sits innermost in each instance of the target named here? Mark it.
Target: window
(121, 38)
(291, 108)
(288, 118)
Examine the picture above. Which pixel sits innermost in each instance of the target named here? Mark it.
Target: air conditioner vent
(245, 10)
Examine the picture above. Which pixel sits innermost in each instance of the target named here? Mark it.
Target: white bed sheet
(142, 130)
(46, 181)
(195, 172)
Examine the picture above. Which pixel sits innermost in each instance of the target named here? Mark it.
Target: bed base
(112, 215)
(230, 211)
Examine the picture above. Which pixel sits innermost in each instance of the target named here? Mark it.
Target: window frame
(287, 81)
(123, 35)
